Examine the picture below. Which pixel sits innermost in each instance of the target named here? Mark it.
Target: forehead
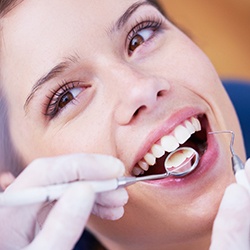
(32, 23)
(34, 11)
(35, 32)
(47, 15)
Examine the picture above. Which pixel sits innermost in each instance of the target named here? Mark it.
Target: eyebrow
(128, 13)
(63, 66)
(53, 73)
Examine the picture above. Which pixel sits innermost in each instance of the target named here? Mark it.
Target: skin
(124, 101)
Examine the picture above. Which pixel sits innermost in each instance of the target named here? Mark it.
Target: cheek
(78, 136)
(197, 70)
(182, 62)
(25, 139)
(185, 65)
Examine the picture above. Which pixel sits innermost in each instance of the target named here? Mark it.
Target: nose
(138, 94)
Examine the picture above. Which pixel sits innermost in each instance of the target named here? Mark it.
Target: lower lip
(205, 165)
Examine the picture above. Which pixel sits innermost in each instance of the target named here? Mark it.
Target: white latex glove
(231, 229)
(61, 223)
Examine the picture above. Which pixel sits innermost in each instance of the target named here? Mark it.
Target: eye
(142, 33)
(62, 97)
(139, 39)
(68, 97)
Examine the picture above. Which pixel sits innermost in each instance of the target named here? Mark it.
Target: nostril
(143, 107)
(160, 93)
(136, 113)
(139, 110)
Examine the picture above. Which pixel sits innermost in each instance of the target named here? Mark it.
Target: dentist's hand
(231, 229)
(59, 225)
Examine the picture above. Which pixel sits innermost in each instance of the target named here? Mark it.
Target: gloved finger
(108, 213)
(68, 168)
(231, 228)
(109, 205)
(104, 204)
(12, 220)
(115, 198)
(42, 214)
(66, 221)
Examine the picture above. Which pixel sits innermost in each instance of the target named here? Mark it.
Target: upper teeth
(168, 143)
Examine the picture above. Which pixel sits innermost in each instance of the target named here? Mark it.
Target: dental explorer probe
(54, 192)
(237, 164)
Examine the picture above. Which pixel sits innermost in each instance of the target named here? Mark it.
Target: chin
(153, 218)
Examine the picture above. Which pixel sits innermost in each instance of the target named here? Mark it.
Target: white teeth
(150, 159)
(189, 126)
(137, 171)
(169, 143)
(196, 123)
(157, 151)
(181, 134)
(143, 165)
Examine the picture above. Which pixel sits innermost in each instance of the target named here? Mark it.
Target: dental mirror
(181, 161)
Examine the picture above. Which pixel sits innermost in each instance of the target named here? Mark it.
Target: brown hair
(7, 5)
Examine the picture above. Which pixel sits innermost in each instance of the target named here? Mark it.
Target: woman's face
(115, 77)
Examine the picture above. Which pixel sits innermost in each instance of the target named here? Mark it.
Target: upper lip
(164, 129)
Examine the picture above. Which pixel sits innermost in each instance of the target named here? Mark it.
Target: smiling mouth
(191, 133)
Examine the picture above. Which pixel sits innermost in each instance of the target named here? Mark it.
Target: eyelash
(152, 23)
(52, 107)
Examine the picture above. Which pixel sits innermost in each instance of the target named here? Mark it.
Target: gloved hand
(231, 229)
(61, 223)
